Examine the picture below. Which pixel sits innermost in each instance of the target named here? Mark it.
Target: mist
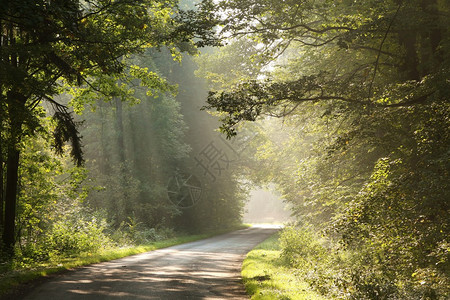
(265, 205)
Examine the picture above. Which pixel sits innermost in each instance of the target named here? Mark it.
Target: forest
(125, 122)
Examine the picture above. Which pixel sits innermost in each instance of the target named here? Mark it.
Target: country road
(206, 269)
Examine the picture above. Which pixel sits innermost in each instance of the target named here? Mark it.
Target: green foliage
(230, 64)
(301, 248)
(361, 273)
(362, 153)
(77, 232)
(351, 53)
(377, 193)
(48, 48)
(51, 220)
(46, 188)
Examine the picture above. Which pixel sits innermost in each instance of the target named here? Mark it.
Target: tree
(46, 44)
(134, 179)
(363, 85)
(364, 54)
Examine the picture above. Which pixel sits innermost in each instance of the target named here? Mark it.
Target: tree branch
(380, 49)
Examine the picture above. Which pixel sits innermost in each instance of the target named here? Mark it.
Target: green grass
(13, 279)
(266, 277)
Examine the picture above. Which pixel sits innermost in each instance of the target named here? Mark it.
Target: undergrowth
(21, 269)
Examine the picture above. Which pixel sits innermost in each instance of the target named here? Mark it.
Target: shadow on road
(206, 269)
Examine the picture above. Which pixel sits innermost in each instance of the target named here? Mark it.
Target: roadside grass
(13, 279)
(265, 276)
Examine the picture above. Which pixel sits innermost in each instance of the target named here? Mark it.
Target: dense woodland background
(102, 84)
(343, 106)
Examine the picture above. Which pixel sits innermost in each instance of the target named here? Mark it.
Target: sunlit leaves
(151, 80)
(229, 65)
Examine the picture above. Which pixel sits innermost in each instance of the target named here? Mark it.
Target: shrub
(301, 247)
(323, 268)
(74, 234)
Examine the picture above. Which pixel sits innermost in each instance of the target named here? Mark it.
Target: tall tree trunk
(11, 197)
(123, 206)
(15, 104)
(119, 128)
(2, 192)
(1, 140)
(434, 34)
(135, 149)
(105, 158)
(2, 182)
(16, 107)
(408, 39)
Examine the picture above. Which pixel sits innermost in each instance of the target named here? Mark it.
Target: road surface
(206, 269)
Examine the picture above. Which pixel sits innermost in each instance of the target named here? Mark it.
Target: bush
(305, 251)
(74, 234)
(301, 247)
(359, 273)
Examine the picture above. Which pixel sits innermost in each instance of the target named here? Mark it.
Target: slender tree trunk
(123, 205)
(135, 149)
(119, 128)
(138, 141)
(105, 158)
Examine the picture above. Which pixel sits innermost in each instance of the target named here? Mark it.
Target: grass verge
(266, 276)
(12, 281)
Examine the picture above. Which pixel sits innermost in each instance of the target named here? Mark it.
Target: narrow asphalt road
(206, 269)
